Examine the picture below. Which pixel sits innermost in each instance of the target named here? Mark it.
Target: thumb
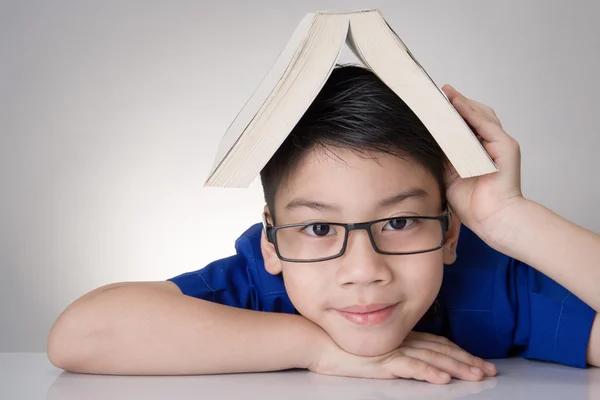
(450, 175)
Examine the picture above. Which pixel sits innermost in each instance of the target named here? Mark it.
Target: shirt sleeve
(239, 280)
(499, 307)
(552, 324)
(224, 281)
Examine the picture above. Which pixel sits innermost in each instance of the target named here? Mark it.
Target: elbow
(57, 352)
(92, 334)
(75, 340)
(66, 344)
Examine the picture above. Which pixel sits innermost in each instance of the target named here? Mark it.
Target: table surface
(31, 376)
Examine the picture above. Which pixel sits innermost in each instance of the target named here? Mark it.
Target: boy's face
(352, 187)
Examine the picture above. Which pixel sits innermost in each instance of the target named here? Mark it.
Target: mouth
(372, 314)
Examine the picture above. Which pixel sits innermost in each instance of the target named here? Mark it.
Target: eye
(398, 224)
(319, 230)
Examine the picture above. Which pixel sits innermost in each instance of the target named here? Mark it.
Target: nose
(361, 264)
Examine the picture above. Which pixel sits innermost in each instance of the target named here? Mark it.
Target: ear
(273, 264)
(451, 240)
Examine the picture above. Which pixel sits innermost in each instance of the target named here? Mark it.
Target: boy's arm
(152, 328)
(593, 351)
(494, 208)
(565, 252)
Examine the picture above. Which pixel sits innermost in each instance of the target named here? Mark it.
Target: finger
(450, 176)
(488, 111)
(483, 125)
(451, 365)
(414, 368)
(454, 352)
(477, 109)
(452, 92)
(445, 346)
(449, 91)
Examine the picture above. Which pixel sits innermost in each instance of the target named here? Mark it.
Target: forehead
(353, 181)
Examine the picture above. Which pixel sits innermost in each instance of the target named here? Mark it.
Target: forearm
(563, 251)
(140, 331)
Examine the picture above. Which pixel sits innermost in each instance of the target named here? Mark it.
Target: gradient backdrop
(111, 111)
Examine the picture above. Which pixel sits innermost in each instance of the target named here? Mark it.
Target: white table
(31, 376)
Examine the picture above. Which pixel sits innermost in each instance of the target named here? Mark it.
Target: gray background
(111, 111)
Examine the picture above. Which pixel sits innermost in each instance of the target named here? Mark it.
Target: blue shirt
(492, 306)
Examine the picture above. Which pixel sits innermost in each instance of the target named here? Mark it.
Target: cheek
(306, 287)
(421, 279)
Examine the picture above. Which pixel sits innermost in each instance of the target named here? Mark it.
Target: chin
(368, 344)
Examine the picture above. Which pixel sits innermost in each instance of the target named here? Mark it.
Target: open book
(300, 72)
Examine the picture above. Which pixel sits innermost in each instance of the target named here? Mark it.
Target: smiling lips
(372, 314)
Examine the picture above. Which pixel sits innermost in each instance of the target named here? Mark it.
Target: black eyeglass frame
(271, 230)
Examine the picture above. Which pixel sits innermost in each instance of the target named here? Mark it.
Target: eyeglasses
(322, 241)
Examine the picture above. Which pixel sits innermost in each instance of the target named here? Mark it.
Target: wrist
(311, 340)
(502, 230)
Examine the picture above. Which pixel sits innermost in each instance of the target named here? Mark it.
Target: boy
(346, 274)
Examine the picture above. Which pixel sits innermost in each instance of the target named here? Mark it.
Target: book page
(265, 88)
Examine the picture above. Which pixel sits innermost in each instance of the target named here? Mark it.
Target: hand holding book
(480, 202)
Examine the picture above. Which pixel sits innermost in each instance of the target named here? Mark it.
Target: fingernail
(476, 371)
(491, 368)
(444, 375)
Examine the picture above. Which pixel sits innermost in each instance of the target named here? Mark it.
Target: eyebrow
(300, 202)
(400, 197)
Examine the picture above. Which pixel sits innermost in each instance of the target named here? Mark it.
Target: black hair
(355, 110)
